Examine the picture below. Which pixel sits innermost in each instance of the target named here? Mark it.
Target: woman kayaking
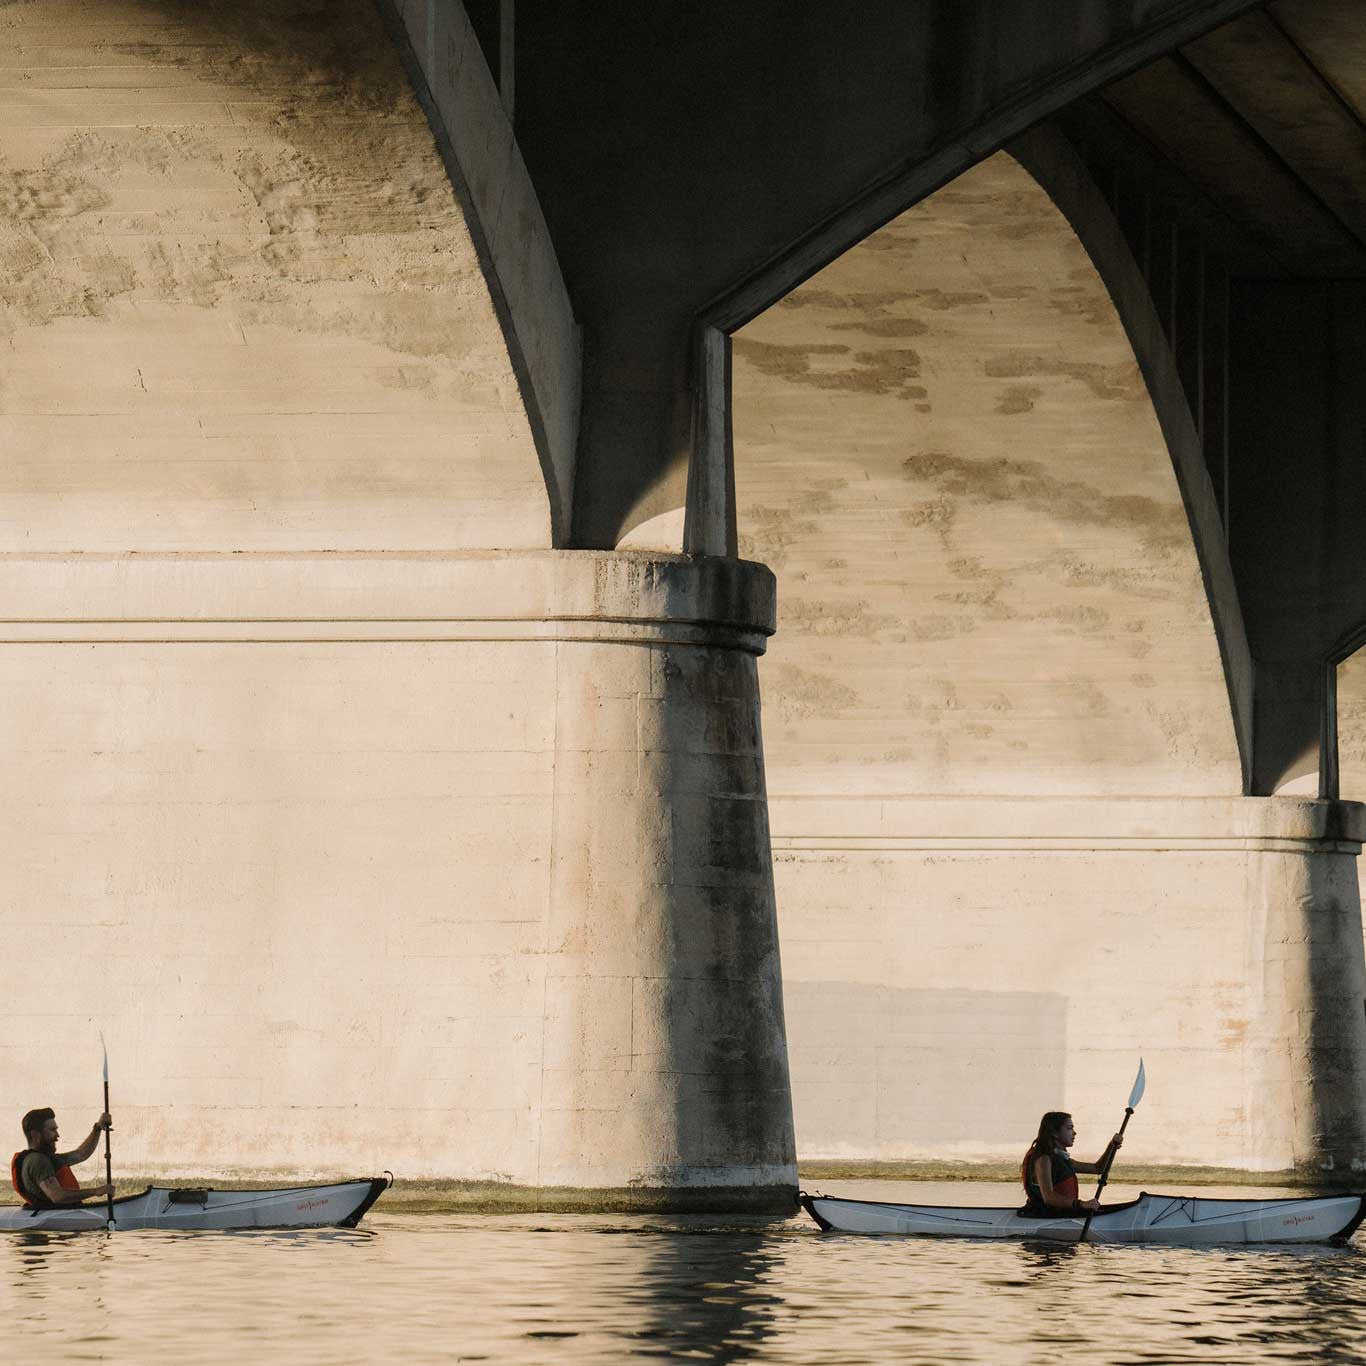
(1049, 1173)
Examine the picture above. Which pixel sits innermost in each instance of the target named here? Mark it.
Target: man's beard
(47, 1145)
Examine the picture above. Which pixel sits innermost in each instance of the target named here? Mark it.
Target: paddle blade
(1140, 1082)
(105, 1051)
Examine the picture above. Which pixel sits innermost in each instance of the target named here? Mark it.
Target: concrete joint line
(1055, 844)
(652, 632)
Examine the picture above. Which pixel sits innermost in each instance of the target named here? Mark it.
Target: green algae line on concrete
(1139, 1174)
(500, 1197)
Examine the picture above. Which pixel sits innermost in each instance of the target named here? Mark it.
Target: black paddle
(1135, 1096)
(108, 1159)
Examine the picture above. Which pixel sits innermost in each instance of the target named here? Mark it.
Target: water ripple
(416, 1289)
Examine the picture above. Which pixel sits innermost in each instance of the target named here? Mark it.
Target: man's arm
(59, 1195)
(88, 1147)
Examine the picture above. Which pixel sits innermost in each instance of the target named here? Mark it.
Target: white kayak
(1176, 1220)
(340, 1205)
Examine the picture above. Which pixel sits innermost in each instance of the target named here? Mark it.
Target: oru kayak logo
(1297, 1219)
(310, 1204)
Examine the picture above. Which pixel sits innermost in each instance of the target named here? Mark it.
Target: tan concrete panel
(963, 964)
(1352, 727)
(291, 875)
(945, 450)
(232, 223)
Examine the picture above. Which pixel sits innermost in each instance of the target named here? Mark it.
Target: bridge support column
(665, 1080)
(1307, 1046)
(488, 872)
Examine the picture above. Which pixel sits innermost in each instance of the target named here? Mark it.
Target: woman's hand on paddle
(1092, 1205)
(1117, 1141)
(103, 1122)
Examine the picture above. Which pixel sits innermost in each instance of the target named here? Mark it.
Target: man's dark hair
(35, 1119)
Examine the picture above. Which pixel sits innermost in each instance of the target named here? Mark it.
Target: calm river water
(542, 1288)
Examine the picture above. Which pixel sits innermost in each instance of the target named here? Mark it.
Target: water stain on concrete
(885, 327)
(816, 618)
(885, 372)
(1029, 483)
(1018, 398)
(803, 693)
(937, 515)
(1123, 383)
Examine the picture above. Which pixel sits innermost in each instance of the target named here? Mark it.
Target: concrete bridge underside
(400, 406)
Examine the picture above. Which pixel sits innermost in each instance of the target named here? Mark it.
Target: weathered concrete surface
(1179, 385)
(1011, 857)
(946, 451)
(1351, 690)
(453, 865)
(240, 306)
(665, 1054)
(472, 116)
(991, 959)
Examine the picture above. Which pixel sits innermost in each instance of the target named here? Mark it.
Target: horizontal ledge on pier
(593, 596)
(250, 631)
(890, 824)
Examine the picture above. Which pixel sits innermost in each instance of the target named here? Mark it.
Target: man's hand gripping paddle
(1135, 1096)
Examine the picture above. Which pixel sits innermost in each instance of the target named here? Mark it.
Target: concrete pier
(457, 865)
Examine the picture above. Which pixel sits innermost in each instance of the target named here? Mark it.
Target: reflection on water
(415, 1288)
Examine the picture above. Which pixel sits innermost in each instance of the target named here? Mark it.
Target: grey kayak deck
(339, 1204)
(1175, 1220)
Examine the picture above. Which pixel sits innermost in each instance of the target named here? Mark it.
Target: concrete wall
(241, 307)
(946, 452)
(473, 119)
(1011, 854)
(1351, 690)
(954, 967)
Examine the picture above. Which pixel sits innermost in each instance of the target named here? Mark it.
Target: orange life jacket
(66, 1179)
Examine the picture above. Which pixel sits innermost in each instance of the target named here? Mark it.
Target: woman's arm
(1098, 1166)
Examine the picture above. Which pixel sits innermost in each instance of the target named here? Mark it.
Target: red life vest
(1064, 1176)
(66, 1179)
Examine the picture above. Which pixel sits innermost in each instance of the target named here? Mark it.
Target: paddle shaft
(1105, 1173)
(108, 1157)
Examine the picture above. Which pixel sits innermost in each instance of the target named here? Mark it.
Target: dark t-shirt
(1063, 1170)
(39, 1167)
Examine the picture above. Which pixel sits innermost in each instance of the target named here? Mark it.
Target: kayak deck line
(187, 1208)
(1172, 1220)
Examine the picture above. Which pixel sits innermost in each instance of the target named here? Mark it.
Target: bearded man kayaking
(42, 1175)
(1049, 1173)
